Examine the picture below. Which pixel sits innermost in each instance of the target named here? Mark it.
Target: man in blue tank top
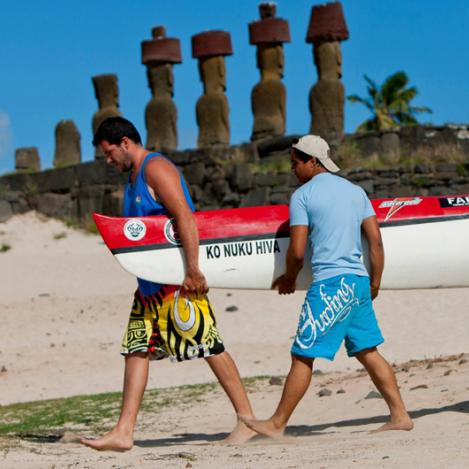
(156, 187)
(329, 213)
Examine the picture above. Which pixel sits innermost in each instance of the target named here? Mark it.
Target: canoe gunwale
(277, 235)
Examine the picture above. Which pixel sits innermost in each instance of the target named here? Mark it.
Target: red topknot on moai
(212, 108)
(159, 54)
(268, 97)
(326, 100)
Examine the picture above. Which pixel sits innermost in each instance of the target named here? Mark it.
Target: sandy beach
(65, 302)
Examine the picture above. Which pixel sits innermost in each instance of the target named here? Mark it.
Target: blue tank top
(138, 202)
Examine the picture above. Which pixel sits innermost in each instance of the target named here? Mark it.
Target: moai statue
(212, 108)
(269, 95)
(27, 159)
(107, 94)
(326, 100)
(67, 144)
(159, 55)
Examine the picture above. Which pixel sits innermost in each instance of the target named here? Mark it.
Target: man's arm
(165, 181)
(372, 233)
(295, 260)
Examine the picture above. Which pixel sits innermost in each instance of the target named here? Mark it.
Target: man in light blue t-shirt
(330, 214)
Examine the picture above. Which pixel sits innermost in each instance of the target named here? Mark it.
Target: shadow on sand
(298, 430)
(307, 430)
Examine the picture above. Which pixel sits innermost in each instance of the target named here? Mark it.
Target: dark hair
(114, 129)
(301, 155)
(304, 157)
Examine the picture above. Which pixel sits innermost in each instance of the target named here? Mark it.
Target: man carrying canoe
(159, 324)
(330, 214)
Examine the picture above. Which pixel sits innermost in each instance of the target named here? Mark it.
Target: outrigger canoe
(426, 242)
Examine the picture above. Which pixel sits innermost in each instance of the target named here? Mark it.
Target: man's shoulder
(159, 164)
(346, 184)
(154, 158)
(303, 190)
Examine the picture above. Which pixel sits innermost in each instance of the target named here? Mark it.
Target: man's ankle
(278, 422)
(124, 430)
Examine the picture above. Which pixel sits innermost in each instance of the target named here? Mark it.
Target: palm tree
(389, 104)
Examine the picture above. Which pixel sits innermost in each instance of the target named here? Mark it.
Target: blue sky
(50, 49)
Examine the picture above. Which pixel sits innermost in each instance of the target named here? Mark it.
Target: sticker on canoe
(170, 234)
(134, 229)
(449, 202)
(396, 204)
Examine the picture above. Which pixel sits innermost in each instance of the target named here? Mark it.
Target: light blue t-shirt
(333, 209)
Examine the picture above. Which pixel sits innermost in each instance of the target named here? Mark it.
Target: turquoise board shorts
(336, 309)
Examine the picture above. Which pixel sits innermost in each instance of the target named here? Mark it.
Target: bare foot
(112, 441)
(404, 423)
(265, 427)
(241, 434)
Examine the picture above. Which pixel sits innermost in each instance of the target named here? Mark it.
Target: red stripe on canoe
(121, 232)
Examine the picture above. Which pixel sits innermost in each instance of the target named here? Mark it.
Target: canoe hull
(426, 246)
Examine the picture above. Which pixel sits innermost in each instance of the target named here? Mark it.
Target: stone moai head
(326, 29)
(328, 60)
(270, 61)
(268, 34)
(106, 90)
(67, 144)
(158, 55)
(27, 159)
(161, 80)
(210, 47)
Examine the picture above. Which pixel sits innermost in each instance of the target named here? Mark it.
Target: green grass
(4, 247)
(42, 417)
(3, 189)
(349, 156)
(275, 166)
(64, 165)
(30, 188)
(89, 225)
(86, 224)
(461, 169)
(61, 235)
(45, 420)
(422, 181)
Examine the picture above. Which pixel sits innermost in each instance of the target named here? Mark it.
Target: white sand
(64, 305)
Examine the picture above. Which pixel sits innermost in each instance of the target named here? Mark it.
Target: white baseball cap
(316, 146)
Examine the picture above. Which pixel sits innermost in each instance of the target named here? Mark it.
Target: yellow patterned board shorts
(172, 324)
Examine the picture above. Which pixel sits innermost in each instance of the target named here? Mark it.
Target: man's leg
(384, 379)
(121, 438)
(296, 384)
(227, 374)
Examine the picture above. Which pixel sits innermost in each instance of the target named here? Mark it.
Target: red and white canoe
(426, 242)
